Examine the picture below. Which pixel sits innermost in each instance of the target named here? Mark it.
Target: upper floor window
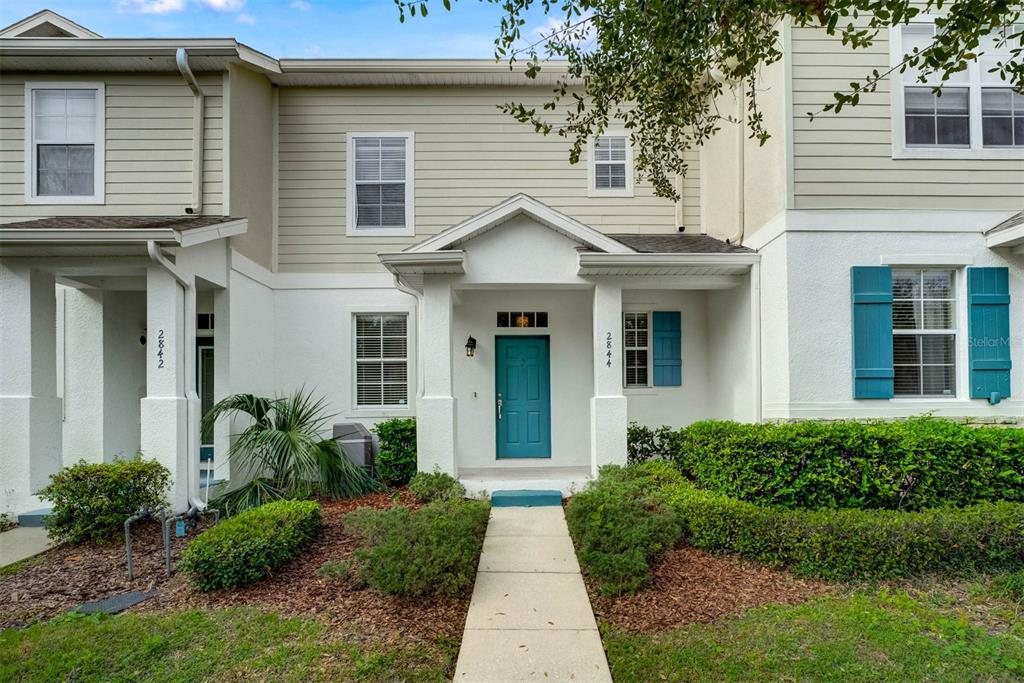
(380, 184)
(975, 116)
(611, 166)
(64, 134)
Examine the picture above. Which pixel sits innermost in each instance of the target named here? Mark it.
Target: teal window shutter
(872, 331)
(988, 331)
(668, 366)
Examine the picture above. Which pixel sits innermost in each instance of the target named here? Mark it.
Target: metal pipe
(198, 112)
(144, 513)
(741, 141)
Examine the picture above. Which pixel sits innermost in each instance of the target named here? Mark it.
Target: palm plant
(283, 453)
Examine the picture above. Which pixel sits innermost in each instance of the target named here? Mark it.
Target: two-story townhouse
(188, 218)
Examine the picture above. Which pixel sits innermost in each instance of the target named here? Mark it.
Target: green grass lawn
(202, 645)
(864, 636)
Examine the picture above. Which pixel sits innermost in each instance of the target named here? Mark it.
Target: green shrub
(648, 443)
(434, 549)
(430, 486)
(91, 501)
(334, 569)
(396, 457)
(1010, 585)
(845, 544)
(910, 465)
(7, 522)
(252, 545)
(621, 524)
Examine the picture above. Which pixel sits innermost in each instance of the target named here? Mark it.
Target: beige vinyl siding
(845, 161)
(689, 193)
(148, 164)
(468, 157)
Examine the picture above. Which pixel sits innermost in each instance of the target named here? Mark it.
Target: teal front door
(523, 410)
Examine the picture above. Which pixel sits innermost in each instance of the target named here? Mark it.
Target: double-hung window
(380, 184)
(382, 363)
(636, 332)
(924, 332)
(977, 115)
(611, 166)
(64, 131)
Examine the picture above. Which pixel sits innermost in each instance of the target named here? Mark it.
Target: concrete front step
(526, 498)
(34, 518)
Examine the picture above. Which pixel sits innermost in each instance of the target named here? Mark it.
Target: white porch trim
(510, 208)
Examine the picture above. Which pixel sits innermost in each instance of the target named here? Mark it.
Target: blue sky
(290, 28)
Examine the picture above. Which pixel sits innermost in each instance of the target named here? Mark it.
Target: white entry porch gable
(566, 285)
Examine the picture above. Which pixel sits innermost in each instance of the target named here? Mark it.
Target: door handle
(499, 406)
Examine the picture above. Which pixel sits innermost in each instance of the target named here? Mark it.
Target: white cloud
(224, 5)
(247, 19)
(301, 5)
(151, 6)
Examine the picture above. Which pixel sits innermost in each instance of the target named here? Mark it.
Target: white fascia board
(435, 261)
(417, 66)
(138, 47)
(188, 238)
(1009, 237)
(596, 260)
(94, 236)
(48, 17)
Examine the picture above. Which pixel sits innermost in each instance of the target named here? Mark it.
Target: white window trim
(961, 377)
(626, 191)
(410, 365)
(898, 123)
(99, 146)
(639, 388)
(409, 229)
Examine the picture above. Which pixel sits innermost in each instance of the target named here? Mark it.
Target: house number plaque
(608, 348)
(160, 344)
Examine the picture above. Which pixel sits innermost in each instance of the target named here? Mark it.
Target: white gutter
(189, 361)
(88, 236)
(741, 141)
(198, 110)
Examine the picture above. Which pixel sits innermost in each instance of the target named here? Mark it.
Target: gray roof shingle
(179, 223)
(678, 243)
(1011, 222)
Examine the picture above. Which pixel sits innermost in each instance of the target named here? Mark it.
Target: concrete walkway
(530, 617)
(22, 542)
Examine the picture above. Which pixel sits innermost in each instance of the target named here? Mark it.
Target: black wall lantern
(470, 347)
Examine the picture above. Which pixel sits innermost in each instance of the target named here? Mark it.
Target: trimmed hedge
(91, 501)
(434, 549)
(846, 544)
(622, 524)
(252, 545)
(426, 487)
(396, 457)
(915, 464)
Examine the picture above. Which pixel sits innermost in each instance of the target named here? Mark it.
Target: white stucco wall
(569, 330)
(314, 344)
(819, 329)
(731, 359)
(675, 406)
(103, 369)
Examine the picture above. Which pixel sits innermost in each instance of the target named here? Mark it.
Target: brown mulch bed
(67, 577)
(691, 586)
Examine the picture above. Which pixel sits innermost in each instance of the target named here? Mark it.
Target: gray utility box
(357, 442)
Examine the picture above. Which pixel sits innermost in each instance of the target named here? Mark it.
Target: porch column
(30, 414)
(608, 417)
(435, 406)
(164, 410)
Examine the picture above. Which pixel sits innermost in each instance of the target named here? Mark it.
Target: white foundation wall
(473, 379)
(817, 302)
(689, 402)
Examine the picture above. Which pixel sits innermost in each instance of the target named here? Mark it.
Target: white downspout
(741, 139)
(189, 360)
(406, 289)
(198, 111)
